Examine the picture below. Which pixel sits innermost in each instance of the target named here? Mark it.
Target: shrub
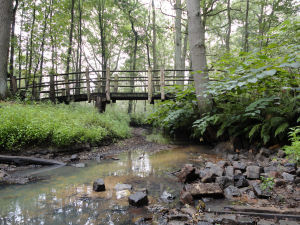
(293, 151)
(57, 125)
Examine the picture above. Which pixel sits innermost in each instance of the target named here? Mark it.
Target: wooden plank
(162, 84)
(107, 85)
(88, 85)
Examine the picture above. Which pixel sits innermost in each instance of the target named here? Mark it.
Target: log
(22, 160)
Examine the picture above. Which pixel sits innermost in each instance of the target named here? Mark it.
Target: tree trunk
(228, 33)
(178, 40)
(20, 48)
(154, 41)
(185, 45)
(69, 51)
(79, 51)
(5, 23)
(31, 46)
(12, 46)
(198, 53)
(246, 43)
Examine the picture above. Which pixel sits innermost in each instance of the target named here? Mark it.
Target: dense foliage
(45, 124)
(255, 95)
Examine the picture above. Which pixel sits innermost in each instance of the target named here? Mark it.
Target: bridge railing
(102, 82)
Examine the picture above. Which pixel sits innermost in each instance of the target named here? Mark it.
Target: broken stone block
(253, 172)
(199, 190)
(138, 199)
(99, 185)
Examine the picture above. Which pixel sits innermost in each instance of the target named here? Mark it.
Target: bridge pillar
(100, 104)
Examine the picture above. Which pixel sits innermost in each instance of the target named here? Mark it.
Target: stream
(65, 194)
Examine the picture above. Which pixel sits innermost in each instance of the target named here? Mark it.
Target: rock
(167, 197)
(79, 165)
(253, 172)
(199, 190)
(121, 187)
(178, 217)
(289, 169)
(187, 174)
(290, 189)
(239, 165)
(224, 147)
(122, 194)
(241, 181)
(259, 192)
(288, 222)
(297, 180)
(229, 171)
(222, 164)
(3, 174)
(279, 182)
(234, 157)
(265, 152)
(138, 199)
(217, 170)
(191, 211)
(74, 157)
(143, 220)
(238, 172)
(144, 190)
(266, 222)
(99, 185)
(229, 220)
(204, 223)
(224, 181)
(209, 177)
(232, 191)
(186, 198)
(281, 154)
(288, 177)
(209, 165)
(245, 220)
(298, 172)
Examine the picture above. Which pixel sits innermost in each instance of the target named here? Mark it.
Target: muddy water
(66, 196)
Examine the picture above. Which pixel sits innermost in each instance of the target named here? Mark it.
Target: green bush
(293, 151)
(57, 125)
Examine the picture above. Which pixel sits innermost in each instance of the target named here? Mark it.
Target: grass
(28, 125)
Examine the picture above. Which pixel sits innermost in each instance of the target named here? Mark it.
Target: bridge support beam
(100, 104)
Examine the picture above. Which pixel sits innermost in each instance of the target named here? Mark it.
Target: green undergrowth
(293, 150)
(28, 125)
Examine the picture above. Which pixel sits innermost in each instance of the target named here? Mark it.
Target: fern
(254, 130)
(283, 127)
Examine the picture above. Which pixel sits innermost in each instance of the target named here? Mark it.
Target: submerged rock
(199, 190)
(79, 165)
(121, 187)
(99, 185)
(138, 199)
(74, 157)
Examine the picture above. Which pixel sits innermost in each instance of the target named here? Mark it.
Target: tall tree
(198, 53)
(246, 39)
(5, 22)
(69, 50)
(228, 33)
(178, 39)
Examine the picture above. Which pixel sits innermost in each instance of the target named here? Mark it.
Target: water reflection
(67, 196)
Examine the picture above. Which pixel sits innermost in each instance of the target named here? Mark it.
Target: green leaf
(281, 128)
(254, 130)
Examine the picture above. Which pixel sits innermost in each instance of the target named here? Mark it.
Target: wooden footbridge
(102, 86)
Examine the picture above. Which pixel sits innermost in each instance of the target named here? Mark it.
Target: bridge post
(107, 85)
(162, 84)
(52, 89)
(100, 104)
(116, 85)
(150, 87)
(88, 85)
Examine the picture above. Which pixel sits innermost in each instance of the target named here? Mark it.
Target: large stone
(289, 168)
(241, 181)
(265, 222)
(288, 222)
(231, 192)
(259, 192)
(138, 199)
(209, 177)
(298, 172)
(188, 174)
(79, 165)
(74, 157)
(99, 185)
(245, 220)
(265, 152)
(186, 198)
(222, 163)
(237, 165)
(225, 181)
(121, 187)
(288, 177)
(217, 170)
(3, 174)
(269, 169)
(199, 190)
(229, 171)
(253, 172)
(279, 182)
